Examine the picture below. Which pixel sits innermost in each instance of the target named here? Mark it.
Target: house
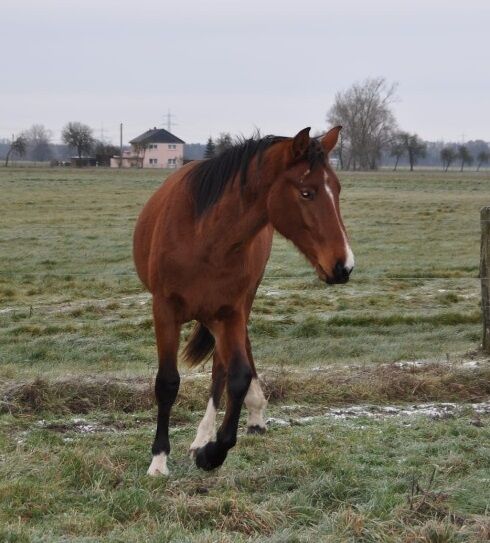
(155, 148)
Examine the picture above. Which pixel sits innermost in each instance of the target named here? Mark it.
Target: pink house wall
(164, 155)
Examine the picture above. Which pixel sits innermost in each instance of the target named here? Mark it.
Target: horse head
(303, 205)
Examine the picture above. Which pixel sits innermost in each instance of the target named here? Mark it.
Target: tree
(104, 152)
(364, 111)
(482, 158)
(18, 146)
(397, 147)
(223, 142)
(416, 148)
(465, 156)
(38, 138)
(140, 149)
(448, 156)
(210, 151)
(78, 136)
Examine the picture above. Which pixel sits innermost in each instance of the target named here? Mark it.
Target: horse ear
(329, 140)
(301, 142)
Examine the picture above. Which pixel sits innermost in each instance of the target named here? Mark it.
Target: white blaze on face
(158, 465)
(349, 255)
(206, 430)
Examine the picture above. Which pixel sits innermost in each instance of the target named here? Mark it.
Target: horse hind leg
(166, 384)
(256, 403)
(206, 430)
(255, 400)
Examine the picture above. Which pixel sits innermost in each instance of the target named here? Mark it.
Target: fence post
(485, 275)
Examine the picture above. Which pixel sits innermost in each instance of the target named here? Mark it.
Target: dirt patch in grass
(385, 384)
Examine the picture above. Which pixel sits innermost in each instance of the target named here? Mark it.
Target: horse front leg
(230, 338)
(166, 383)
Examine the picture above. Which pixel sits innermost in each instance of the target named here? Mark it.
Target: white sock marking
(206, 430)
(158, 465)
(256, 404)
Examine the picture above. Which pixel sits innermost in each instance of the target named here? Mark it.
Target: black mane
(209, 178)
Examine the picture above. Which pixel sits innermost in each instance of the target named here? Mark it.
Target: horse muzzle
(340, 274)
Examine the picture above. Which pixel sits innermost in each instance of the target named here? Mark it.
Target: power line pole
(169, 121)
(120, 144)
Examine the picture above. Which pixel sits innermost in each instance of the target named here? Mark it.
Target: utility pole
(120, 144)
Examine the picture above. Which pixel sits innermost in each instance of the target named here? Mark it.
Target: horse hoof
(256, 429)
(210, 457)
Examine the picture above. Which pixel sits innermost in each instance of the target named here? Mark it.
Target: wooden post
(485, 275)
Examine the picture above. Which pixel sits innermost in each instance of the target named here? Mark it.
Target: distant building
(156, 148)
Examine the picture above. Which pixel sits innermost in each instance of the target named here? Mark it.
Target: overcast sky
(237, 65)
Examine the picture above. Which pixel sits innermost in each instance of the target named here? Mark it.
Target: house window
(172, 146)
(153, 160)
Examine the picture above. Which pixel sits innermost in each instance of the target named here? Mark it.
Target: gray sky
(233, 66)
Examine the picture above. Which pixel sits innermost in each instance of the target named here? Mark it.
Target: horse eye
(307, 194)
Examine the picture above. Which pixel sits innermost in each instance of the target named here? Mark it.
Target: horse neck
(236, 219)
(241, 214)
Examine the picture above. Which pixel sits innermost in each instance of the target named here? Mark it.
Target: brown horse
(201, 245)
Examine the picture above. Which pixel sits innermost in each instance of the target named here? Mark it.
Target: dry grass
(337, 386)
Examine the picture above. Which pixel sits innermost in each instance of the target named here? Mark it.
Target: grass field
(77, 358)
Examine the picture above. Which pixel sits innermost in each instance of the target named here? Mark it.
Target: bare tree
(397, 147)
(448, 156)
(18, 146)
(416, 148)
(364, 111)
(223, 142)
(79, 136)
(465, 156)
(482, 158)
(140, 149)
(39, 138)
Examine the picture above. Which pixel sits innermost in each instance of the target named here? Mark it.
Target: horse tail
(200, 345)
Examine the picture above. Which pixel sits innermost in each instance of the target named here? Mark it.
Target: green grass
(76, 339)
(344, 481)
(70, 300)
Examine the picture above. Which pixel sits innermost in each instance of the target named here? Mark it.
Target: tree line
(370, 132)
(78, 137)
(370, 137)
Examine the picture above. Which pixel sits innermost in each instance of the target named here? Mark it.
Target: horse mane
(209, 178)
